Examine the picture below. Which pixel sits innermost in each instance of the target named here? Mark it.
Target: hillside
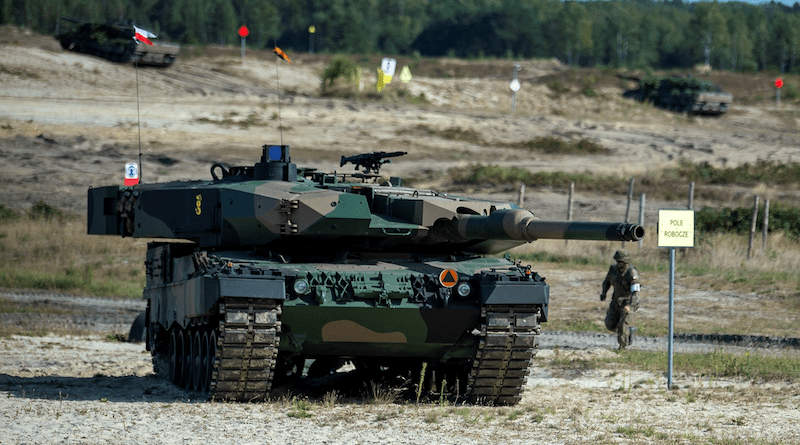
(69, 121)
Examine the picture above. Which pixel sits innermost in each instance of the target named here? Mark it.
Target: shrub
(340, 67)
(7, 214)
(43, 210)
(781, 218)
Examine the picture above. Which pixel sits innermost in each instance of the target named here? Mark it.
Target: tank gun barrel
(523, 226)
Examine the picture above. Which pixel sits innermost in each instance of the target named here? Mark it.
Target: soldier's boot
(624, 338)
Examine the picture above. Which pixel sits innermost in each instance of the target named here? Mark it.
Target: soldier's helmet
(622, 255)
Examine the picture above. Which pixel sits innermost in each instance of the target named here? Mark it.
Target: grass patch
(497, 175)
(717, 364)
(11, 307)
(300, 409)
(667, 184)
(545, 144)
(574, 325)
(50, 250)
(554, 145)
(232, 119)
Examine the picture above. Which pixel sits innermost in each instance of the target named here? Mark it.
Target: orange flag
(279, 52)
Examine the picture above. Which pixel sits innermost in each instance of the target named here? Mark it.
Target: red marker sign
(448, 278)
(131, 174)
(244, 32)
(779, 82)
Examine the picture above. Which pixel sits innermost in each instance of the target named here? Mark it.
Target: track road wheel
(187, 360)
(175, 356)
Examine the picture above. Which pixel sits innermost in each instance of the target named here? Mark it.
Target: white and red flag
(143, 35)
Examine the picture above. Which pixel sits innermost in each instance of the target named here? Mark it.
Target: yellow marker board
(676, 228)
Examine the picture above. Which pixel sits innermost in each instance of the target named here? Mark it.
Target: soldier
(625, 299)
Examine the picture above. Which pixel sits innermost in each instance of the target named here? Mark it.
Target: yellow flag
(405, 74)
(383, 80)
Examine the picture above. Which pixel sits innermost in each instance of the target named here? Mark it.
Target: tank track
(247, 349)
(507, 344)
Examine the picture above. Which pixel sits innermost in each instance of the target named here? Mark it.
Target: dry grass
(717, 289)
(57, 254)
(720, 258)
(723, 291)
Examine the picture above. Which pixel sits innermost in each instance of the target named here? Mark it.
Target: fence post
(753, 227)
(641, 215)
(521, 198)
(765, 226)
(569, 204)
(691, 196)
(628, 207)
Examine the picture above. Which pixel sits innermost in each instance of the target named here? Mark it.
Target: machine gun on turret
(371, 162)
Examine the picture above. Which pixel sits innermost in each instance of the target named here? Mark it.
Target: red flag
(143, 35)
(278, 52)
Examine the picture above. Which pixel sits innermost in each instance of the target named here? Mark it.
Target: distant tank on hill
(115, 41)
(681, 94)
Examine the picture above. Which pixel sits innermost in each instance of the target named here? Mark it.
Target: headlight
(301, 287)
(463, 290)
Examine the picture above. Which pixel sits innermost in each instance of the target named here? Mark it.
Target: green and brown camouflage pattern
(262, 268)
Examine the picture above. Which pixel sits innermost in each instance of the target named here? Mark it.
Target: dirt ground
(69, 122)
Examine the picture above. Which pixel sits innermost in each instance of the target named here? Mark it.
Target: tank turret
(267, 206)
(286, 264)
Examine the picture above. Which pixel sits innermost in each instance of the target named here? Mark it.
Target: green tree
(741, 43)
(786, 28)
(399, 24)
(709, 30)
(574, 32)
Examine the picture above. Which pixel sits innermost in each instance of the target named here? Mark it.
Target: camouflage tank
(684, 94)
(115, 41)
(265, 268)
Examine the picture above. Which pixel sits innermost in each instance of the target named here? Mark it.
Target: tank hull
(375, 314)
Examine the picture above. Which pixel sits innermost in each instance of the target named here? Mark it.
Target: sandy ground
(86, 390)
(68, 122)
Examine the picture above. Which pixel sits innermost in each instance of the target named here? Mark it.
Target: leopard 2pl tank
(684, 94)
(264, 267)
(115, 41)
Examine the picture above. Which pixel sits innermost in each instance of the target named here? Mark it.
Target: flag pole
(138, 120)
(278, 82)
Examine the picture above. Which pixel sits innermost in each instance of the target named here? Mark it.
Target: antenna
(278, 82)
(138, 120)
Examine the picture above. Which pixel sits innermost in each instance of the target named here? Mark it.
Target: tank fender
(197, 297)
(522, 293)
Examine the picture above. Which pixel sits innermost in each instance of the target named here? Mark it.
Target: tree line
(642, 34)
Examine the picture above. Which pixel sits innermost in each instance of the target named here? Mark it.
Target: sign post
(243, 33)
(675, 229)
(779, 85)
(514, 85)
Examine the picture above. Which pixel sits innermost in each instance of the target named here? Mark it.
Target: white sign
(514, 85)
(388, 66)
(676, 228)
(131, 173)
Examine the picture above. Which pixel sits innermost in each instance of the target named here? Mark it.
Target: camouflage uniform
(625, 299)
